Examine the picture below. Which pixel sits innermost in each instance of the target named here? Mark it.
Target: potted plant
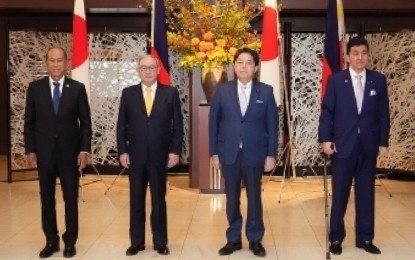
(207, 34)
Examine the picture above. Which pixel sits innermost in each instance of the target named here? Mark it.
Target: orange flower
(205, 46)
(200, 55)
(208, 36)
(202, 47)
(209, 46)
(195, 41)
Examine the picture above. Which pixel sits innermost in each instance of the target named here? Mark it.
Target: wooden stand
(202, 175)
(210, 180)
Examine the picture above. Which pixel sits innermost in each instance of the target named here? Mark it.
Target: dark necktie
(56, 97)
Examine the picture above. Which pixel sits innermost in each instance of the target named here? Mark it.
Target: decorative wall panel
(113, 67)
(394, 55)
(391, 54)
(26, 63)
(305, 97)
(113, 62)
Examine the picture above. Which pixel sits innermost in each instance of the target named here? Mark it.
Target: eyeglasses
(145, 68)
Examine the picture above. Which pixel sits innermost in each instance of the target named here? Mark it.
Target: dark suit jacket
(339, 119)
(257, 129)
(150, 138)
(68, 132)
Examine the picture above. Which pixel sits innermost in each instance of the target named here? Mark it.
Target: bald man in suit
(57, 134)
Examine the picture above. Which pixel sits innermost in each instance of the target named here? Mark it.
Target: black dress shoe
(230, 247)
(49, 250)
(336, 248)
(162, 249)
(368, 247)
(257, 249)
(69, 251)
(133, 250)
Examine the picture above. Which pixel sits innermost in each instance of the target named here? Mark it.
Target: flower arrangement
(208, 35)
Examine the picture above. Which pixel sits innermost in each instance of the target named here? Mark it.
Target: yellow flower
(208, 35)
(232, 51)
(221, 43)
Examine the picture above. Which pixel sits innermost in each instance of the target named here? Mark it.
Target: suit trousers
(233, 175)
(140, 176)
(361, 168)
(69, 180)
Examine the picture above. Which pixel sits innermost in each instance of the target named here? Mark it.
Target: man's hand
(31, 160)
(269, 163)
(382, 150)
(173, 160)
(329, 148)
(215, 162)
(82, 160)
(125, 160)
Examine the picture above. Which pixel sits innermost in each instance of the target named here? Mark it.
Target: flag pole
(80, 67)
(290, 146)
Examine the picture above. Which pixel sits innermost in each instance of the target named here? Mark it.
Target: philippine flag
(333, 59)
(159, 47)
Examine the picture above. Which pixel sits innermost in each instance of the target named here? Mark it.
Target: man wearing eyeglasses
(149, 138)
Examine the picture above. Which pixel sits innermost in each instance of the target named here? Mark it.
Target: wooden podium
(210, 180)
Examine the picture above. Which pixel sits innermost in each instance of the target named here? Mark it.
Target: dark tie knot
(56, 84)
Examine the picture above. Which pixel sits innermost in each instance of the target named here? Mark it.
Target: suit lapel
(368, 88)
(138, 95)
(234, 96)
(253, 98)
(349, 90)
(158, 98)
(66, 92)
(46, 92)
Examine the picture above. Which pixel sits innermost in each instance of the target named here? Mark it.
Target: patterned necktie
(243, 101)
(56, 97)
(359, 91)
(148, 100)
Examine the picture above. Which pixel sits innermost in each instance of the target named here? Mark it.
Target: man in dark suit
(243, 133)
(57, 134)
(354, 128)
(149, 137)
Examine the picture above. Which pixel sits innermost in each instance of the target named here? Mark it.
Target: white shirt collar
(353, 74)
(61, 80)
(153, 86)
(248, 85)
